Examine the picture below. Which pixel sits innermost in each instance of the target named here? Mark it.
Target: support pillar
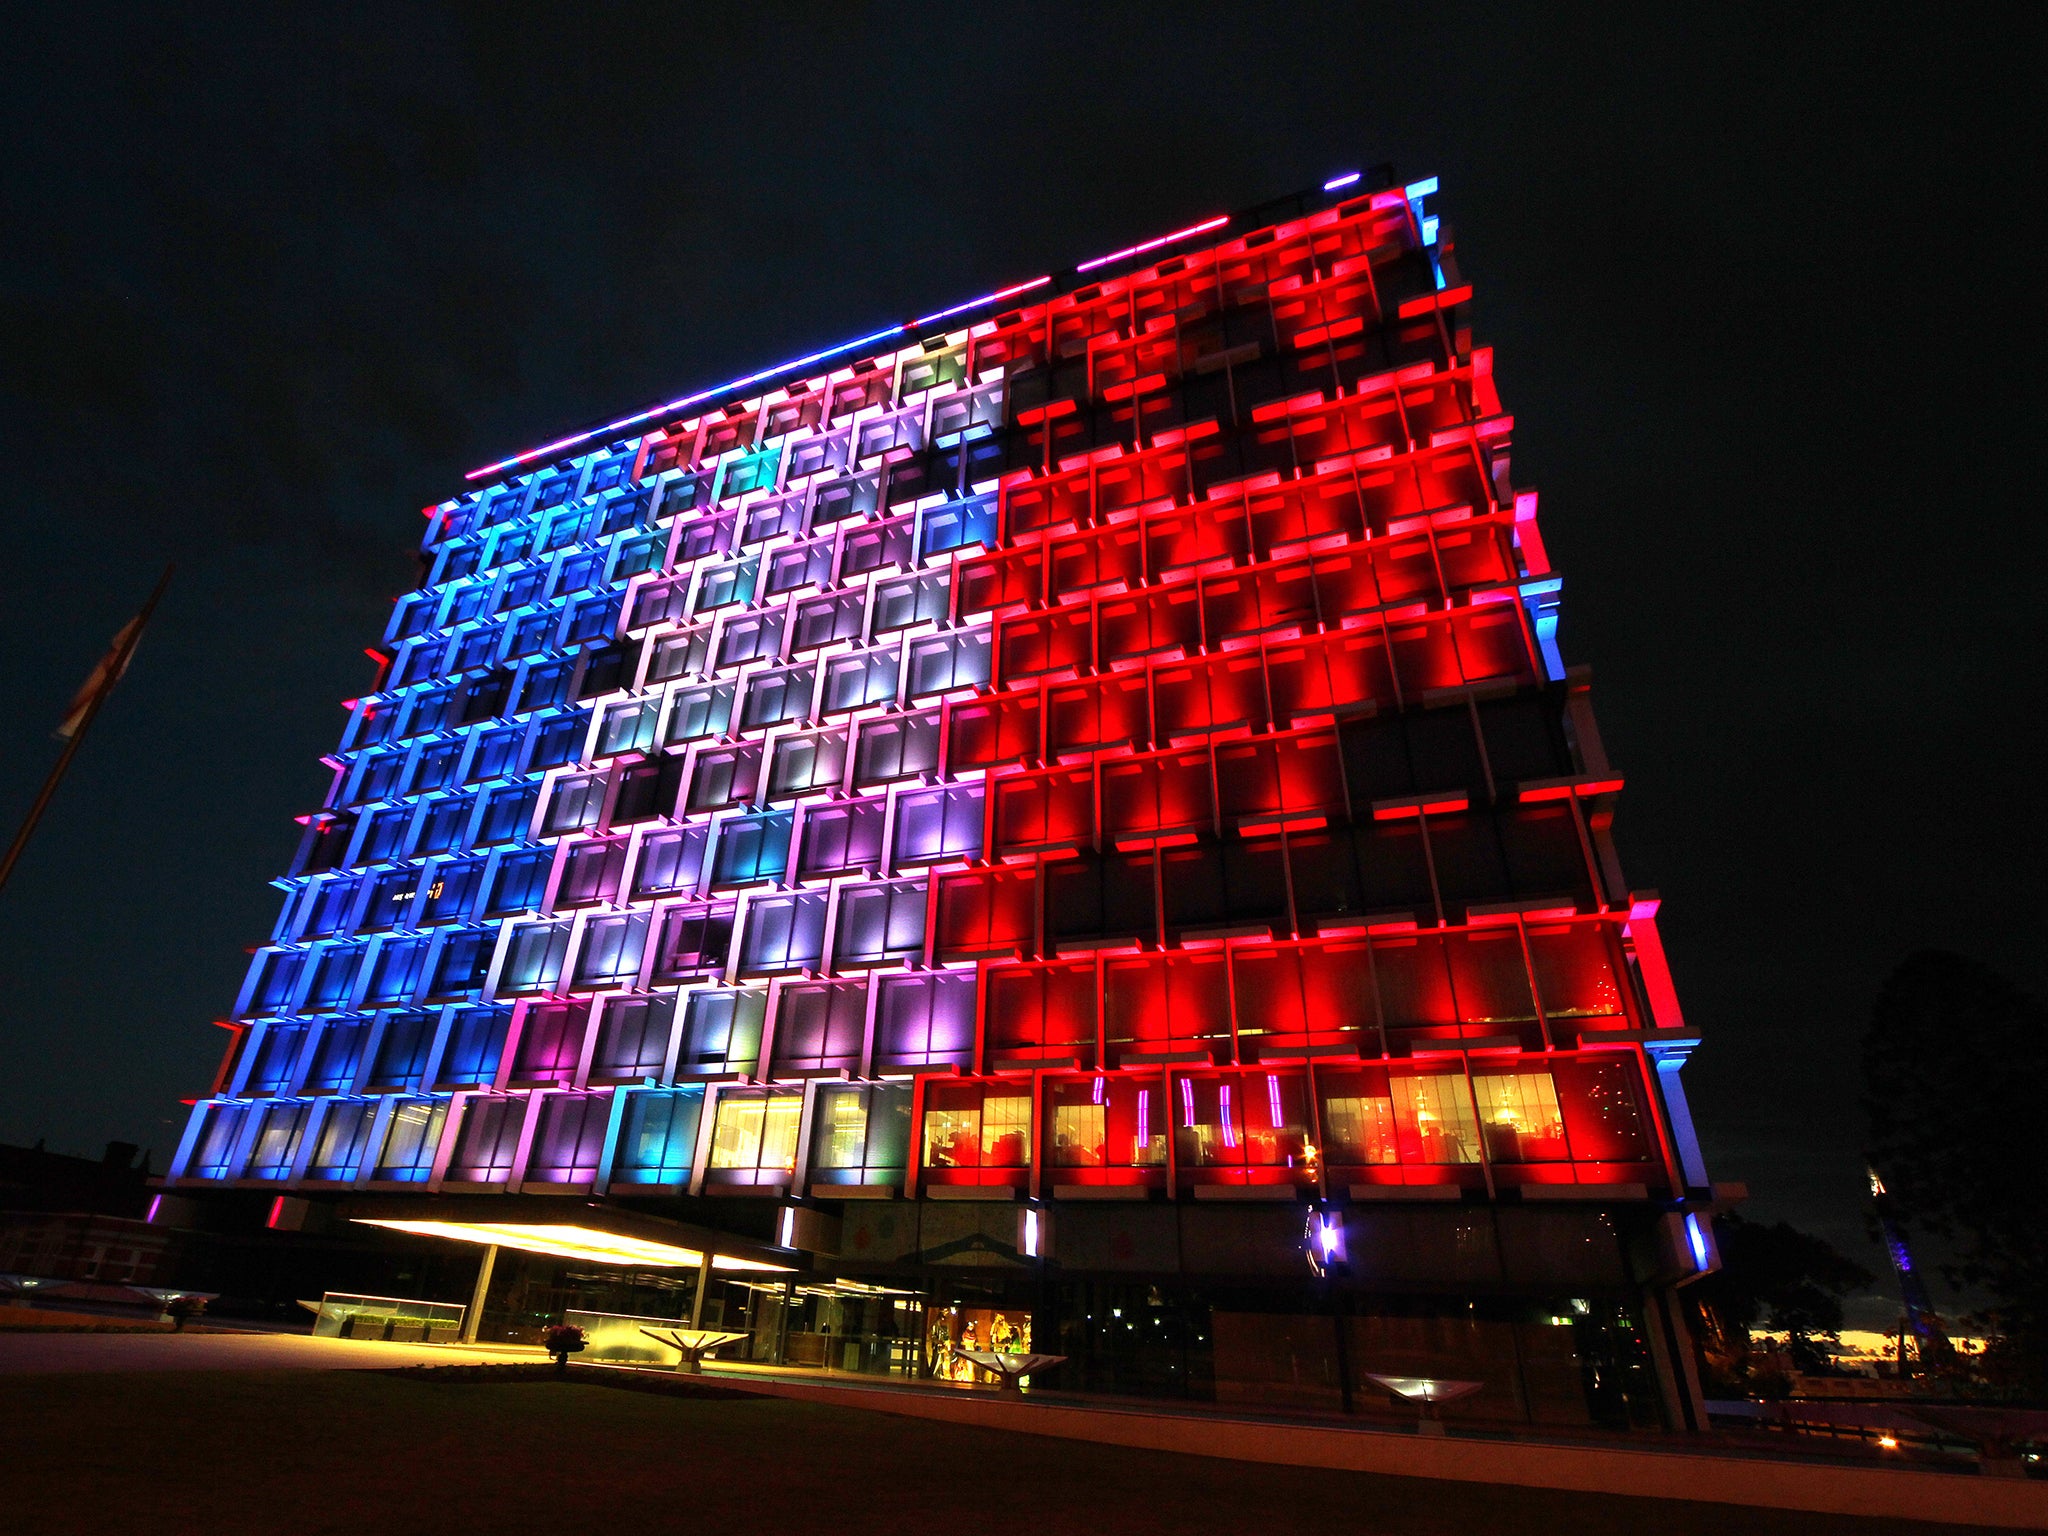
(473, 1318)
(703, 1288)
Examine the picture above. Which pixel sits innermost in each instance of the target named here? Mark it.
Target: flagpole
(56, 777)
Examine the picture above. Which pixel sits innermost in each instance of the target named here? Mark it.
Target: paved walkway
(43, 1353)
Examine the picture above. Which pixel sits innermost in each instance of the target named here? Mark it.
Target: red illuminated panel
(1324, 506)
(1001, 580)
(1032, 506)
(1055, 807)
(1139, 480)
(1295, 775)
(1188, 536)
(1210, 692)
(1492, 643)
(1041, 1011)
(1258, 598)
(1099, 712)
(1145, 623)
(1105, 557)
(986, 911)
(1058, 641)
(1168, 1002)
(1293, 996)
(1158, 792)
(1475, 554)
(987, 732)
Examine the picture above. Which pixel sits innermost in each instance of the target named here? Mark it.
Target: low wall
(1753, 1480)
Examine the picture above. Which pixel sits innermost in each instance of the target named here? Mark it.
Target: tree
(1781, 1278)
(1954, 1065)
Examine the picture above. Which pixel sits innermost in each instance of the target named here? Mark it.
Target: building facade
(1066, 817)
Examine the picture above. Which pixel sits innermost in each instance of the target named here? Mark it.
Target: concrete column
(703, 1289)
(473, 1318)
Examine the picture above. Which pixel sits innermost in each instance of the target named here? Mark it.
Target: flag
(102, 678)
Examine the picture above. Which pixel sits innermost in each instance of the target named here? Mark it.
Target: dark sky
(1761, 279)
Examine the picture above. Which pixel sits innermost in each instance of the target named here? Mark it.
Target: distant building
(1061, 824)
(77, 1218)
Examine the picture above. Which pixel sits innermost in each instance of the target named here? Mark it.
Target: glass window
(670, 861)
(476, 1042)
(658, 1137)
(1433, 1119)
(1258, 1119)
(843, 836)
(411, 1139)
(443, 823)
(863, 679)
(1519, 1115)
(550, 1042)
(880, 924)
(1602, 1116)
(722, 1029)
(815, 760)
(452, 890)
(488, 1143)
(752, 848)
(725, 776)
(699, 712)
(402, 1052)
(775, 697)
(697, 937)
(976, 1125)
(1108, 1122)
(508, 814)
(612, 948)
(576, 802)
(521, 881)
(389, 899)
(862, 1134)
(277, 1141)
(633, 1039)
(591, 872)
(569, 1143)
(217, 1154)
(1358, 1118)
(925, 1018)
(533, 960)
(832, 617)
(497, 754)
(959, 660)
(463, 962)
(902, 601)
(821, 1026)
(784, 933)
(277, 1054)
(327, 906)
(629, 727)
(558, 739)
(939, 823)
(680, 655)
(755, 1133)
(336, 1057)
(344, 1136)
(899, 747)
(396, 973)
(546, 685)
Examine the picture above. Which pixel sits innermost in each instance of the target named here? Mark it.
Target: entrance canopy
(572, 1242)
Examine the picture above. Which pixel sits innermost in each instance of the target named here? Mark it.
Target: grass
(357, 1451)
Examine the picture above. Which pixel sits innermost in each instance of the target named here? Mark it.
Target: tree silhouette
(1954, 1064)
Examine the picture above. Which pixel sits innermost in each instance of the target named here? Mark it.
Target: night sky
(1762, 283)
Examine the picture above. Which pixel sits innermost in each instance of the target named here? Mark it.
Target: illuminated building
(1076, 797)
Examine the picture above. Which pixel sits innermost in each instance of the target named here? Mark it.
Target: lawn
(358, 1451)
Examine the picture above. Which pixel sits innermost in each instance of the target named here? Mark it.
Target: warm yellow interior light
(569, 1242)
